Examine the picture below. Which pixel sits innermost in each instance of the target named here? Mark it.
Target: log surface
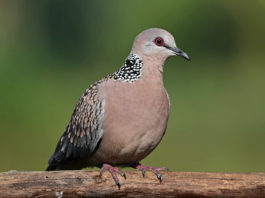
(86, 183)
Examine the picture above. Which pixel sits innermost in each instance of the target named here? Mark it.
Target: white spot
(59, 194)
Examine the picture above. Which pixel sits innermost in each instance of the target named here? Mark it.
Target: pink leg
(113, 171)
(144, 168)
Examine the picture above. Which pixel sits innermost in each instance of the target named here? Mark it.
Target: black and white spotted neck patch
(131, 69)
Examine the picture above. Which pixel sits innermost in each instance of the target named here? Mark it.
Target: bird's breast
(135, 120)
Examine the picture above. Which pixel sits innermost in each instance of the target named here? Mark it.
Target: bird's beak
(179, 52)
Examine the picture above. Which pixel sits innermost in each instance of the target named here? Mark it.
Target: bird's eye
(159, 41)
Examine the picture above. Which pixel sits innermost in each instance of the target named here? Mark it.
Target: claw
(100, 173)
(113, 171)
(119, 185)
(149, 168)
(124, 175)
(160, 177)
(143, 172)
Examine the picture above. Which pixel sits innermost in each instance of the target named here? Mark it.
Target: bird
(120, 119)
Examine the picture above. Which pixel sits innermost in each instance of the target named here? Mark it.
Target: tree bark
(85, 183)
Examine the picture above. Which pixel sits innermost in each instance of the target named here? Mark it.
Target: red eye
(159, 41)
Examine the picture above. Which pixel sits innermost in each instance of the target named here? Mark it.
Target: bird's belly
(130, 146)
(134, 127)
(140, 146)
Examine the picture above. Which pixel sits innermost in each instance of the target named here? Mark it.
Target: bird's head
(156, 43)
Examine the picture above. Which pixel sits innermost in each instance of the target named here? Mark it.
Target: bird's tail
(53, 164)
(51, 168)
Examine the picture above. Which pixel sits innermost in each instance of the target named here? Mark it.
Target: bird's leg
(113, 171)
(144, 168)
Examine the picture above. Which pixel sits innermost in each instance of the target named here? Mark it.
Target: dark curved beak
(179, 52)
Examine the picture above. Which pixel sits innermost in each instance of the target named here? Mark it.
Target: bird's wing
(84, 130)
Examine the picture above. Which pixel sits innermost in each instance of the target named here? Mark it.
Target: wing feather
(84, 131)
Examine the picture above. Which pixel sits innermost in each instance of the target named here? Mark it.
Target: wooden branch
(85, 183)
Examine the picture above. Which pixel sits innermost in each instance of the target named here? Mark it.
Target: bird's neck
(154, 65)
(131, 70)
(152, 72)
(136, 67)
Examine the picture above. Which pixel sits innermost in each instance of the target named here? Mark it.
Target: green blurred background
(51, 51)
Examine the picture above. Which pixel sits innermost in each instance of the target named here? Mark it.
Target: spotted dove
(121, 118)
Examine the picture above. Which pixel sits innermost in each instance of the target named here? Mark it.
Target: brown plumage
(120, 119)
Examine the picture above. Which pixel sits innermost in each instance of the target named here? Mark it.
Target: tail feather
(51, 168)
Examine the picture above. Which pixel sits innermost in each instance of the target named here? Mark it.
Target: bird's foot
(113, 171)
(144, 168)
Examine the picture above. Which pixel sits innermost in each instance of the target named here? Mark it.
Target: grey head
(156, 43)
